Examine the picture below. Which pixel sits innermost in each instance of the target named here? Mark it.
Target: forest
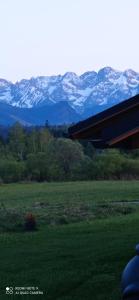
(47, 154)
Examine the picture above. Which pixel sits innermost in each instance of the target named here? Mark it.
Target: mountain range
(64, 98)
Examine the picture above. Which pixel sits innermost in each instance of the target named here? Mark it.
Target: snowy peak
(71, 76)
(82, 93)
(5, 91)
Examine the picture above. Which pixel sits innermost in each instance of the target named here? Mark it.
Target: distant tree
(44, 138)
(17, 141)
(11, 170)
(62, 156)
(33, 141)
(43, 153)
(89, 150)
(83, 171)
(38, 140)
(107, 165)
(36, 166)
(3, 147)
(47, 124)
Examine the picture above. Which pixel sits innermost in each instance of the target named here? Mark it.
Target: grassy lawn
(80, 260)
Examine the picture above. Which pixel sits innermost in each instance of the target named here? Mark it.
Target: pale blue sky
(45, 37)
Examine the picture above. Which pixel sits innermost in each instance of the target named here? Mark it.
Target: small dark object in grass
(30, 222)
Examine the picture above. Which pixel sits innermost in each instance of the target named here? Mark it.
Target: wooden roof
(117, 126)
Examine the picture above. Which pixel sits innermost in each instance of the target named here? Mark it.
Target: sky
(47, 37)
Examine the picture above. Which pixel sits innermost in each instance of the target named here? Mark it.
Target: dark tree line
(47, 154)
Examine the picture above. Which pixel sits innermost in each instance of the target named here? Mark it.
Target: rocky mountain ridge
(85, 95)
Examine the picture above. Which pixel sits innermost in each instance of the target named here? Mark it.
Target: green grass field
(86, 234)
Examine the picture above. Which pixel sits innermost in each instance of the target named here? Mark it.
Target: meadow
(86, 234)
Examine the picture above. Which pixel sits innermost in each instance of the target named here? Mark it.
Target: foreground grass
(55, 203)
(79, 261)
(82, 261)
(20, 195)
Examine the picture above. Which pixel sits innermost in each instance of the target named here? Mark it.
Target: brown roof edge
(104, 115)
(123, 136)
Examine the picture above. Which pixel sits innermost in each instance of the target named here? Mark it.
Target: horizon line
(70, 72)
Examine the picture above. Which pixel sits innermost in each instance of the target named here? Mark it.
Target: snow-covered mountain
(86, 94)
